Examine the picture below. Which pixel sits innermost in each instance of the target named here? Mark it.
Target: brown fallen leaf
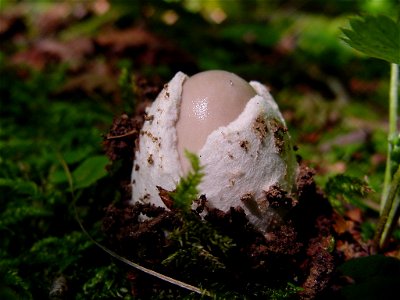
(11, 23)
(47, 51)
(97, 78)
(120, 40)
(165, 197)
(355, 214)
(339, 225)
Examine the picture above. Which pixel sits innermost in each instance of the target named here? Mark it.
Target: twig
(129, 133)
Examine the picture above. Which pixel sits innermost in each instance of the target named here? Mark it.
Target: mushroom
(237, 131)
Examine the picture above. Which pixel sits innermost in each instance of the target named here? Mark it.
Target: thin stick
(111, 137)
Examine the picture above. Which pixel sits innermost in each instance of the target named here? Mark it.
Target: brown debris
(165, 197)
(147, 89)
(120, 40)
(250, 202)
(245, 145)
(260, 128)
(279, 131)
(278, 198)
(119, 142)
(150, 159)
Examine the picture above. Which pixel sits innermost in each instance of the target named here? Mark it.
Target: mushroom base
(224, 253)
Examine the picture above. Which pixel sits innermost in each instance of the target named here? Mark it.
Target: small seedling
(378, 37)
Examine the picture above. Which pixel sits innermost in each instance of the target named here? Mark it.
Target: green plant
(378, 37)
(343, 189)
(186, 191)
(39, 237)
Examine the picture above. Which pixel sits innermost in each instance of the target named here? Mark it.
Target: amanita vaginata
(236, 129)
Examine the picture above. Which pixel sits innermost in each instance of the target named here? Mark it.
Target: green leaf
(22, 187)
(90, 171)
(74, 156)
(376, 36)
(58, 177)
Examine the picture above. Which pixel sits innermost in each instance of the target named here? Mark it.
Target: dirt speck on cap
(279, 131)
(244, 145)
(150, 159)
(260, 127)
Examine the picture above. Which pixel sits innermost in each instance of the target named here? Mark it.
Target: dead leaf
(11, 23)
(355, 215)
(120, 40)
(339, 224)
(60, 15)
(165, 197)
(360, 86)
(97, 77)
(47, 51)
(53, 19)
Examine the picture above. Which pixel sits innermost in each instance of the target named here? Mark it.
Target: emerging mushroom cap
(236, 129)
(210, 99)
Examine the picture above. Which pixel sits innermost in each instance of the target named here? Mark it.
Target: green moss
(186, 191)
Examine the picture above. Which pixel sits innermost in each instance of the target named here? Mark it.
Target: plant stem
(393, 108)
(390, 213)
(390, 203)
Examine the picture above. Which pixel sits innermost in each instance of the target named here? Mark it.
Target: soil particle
(260, 128)
(118, 142)
(145, 198)
(153, 138)
(150, 159)
(279, 131)
(321, 268)
(251, 204)
(146, 90)
(245, 145)
(149, 118)
(126, 232)
(278, 198)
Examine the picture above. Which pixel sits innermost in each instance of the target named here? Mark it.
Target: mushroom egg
(235, 128)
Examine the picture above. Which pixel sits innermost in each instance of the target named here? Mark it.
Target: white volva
(243, 155)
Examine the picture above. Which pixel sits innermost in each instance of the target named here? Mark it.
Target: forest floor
(74, 73)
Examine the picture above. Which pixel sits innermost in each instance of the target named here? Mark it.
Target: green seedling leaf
(375, 36)
(343, 188)
(77, 155)
(89, 171)
(58, 177)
